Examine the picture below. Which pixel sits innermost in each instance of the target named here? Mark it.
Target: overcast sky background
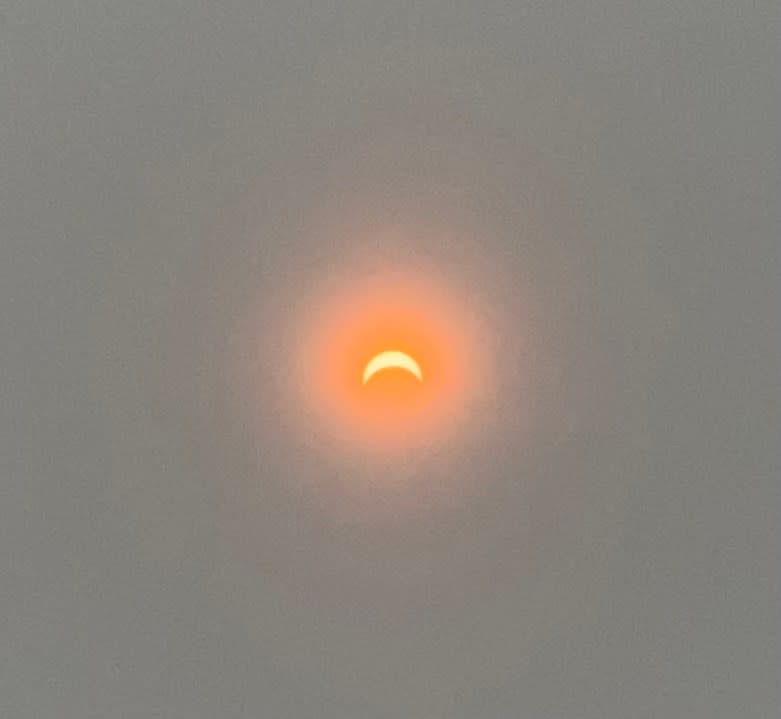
(608, 176)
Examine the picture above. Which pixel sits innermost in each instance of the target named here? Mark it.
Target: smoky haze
(600, 181)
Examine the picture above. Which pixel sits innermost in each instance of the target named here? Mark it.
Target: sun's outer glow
(347, 324)
(391, 359)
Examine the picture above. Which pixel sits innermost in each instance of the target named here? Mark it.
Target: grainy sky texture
(181, 180)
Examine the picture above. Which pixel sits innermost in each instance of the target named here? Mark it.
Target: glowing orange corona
(392, 361)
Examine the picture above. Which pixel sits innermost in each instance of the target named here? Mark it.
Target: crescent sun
(391, 359)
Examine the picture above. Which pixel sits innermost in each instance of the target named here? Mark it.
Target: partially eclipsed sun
(394, 361)
(391, 359)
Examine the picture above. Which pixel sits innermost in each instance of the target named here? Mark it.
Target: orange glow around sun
(425, 331)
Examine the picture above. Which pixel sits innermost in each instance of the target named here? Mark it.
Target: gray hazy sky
(603, 177)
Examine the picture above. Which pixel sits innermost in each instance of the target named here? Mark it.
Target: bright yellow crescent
(388, 359)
